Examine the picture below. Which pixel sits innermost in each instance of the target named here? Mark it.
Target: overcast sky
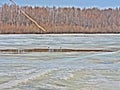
(76, 3)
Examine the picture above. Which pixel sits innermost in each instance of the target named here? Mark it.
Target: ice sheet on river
(60, 70)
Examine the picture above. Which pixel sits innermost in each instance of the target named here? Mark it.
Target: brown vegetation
(59, 20)
(52, 50)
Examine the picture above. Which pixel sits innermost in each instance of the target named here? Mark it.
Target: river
(60, 70)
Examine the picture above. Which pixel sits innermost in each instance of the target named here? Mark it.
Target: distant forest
(59, 20)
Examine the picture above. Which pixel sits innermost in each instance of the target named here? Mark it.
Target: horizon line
(65, 6)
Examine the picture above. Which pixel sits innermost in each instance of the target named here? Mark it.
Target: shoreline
(68, 33)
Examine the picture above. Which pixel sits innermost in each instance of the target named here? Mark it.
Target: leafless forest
(59, 20)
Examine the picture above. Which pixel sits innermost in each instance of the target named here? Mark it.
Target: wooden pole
(31, 19)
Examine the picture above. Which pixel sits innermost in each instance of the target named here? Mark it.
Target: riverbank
(53, 29)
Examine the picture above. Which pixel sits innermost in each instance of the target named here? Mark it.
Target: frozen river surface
(60, 70)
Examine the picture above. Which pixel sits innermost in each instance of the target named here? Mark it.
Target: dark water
(60, 70)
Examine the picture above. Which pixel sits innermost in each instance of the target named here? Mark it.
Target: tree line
(59, 20)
